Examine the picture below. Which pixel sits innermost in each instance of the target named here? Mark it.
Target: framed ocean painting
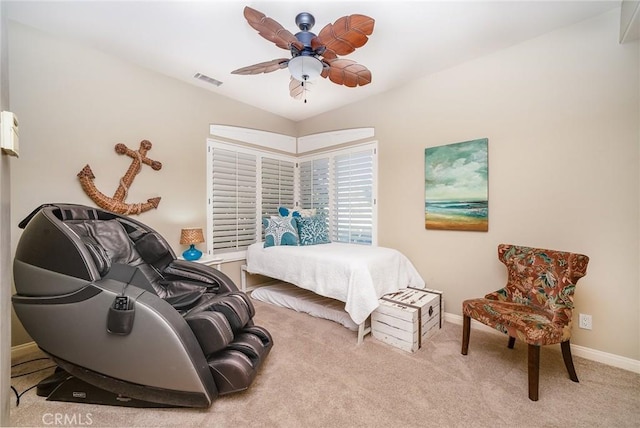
(457, 186)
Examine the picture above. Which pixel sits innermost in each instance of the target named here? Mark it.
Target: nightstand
(208, 260)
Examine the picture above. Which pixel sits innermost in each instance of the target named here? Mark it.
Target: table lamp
(191, 236)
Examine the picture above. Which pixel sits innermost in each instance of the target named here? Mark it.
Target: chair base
(533, 370)
(568, 361)
(61, 386)
(533, 358)
(466, 330)
(534, 366)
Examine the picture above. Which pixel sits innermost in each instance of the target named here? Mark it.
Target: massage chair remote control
(120, 316)
(121, 303)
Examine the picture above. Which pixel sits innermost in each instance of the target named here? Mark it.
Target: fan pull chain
(304, 88)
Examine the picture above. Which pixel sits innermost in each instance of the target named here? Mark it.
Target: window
(277, 185)
(246, 184)
(232, 200)
(343, 182)
(314, 184)
(353, 208)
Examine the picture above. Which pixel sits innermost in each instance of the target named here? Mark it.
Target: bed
(357, 275)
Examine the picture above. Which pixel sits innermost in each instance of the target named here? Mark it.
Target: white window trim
(271, 140)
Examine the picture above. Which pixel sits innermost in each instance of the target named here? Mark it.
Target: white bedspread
(355, 274)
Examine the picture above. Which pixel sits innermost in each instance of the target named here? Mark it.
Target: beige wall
(561, 113)
(5, 237)
(75, 104)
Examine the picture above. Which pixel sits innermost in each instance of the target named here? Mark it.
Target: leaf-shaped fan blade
(271, 30)
(263, 67)
(349, 73)
(296, 90)
(345, 35)
(320, 49)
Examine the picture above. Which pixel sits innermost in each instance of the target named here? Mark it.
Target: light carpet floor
(317, 376)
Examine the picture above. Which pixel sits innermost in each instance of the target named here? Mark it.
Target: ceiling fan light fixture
(313, 55)
(304, 68)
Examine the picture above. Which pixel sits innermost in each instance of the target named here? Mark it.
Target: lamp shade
(305, 68)
(191, 236)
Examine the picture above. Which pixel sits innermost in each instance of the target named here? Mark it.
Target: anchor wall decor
(117, 203)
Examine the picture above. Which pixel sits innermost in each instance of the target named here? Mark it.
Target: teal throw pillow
(313, 230)
(280, 231)
(287, 212)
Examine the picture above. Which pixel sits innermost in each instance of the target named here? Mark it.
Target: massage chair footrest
(235, 367)
(212, 330)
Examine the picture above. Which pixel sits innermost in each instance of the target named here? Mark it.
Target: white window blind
(352, 213)
(233, 200)
(277, 185)
(246, 184)
(343, 183)
(314, 184)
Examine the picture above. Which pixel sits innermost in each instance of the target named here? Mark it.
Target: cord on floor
(15, 391)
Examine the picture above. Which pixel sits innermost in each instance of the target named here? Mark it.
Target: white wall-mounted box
(9, 135)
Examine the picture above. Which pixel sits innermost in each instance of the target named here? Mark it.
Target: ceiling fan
(311, 55)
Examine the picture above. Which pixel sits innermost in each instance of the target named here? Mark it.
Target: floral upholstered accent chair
(535, 306)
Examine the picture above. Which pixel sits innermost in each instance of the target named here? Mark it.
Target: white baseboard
(20, 351)
(606, 358)
(577, 350)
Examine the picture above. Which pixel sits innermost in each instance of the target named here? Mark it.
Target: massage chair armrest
(213, 279)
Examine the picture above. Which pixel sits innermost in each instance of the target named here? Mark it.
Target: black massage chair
(125, 321)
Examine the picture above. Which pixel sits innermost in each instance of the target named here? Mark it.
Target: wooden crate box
(407, 318)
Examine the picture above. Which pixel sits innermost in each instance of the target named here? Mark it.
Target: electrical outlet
(585, 321)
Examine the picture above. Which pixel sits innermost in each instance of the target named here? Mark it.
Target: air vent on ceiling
(207, 79)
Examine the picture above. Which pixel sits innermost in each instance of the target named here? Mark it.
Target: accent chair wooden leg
(466, 329)
(568, 361)
(512, 341)
(534, 371)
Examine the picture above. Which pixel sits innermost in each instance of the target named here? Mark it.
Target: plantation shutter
(233, 200)
(352, 217)
(246, 184)
(314, 184)
(277, 185)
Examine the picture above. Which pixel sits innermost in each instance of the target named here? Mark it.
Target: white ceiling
(411, 39)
